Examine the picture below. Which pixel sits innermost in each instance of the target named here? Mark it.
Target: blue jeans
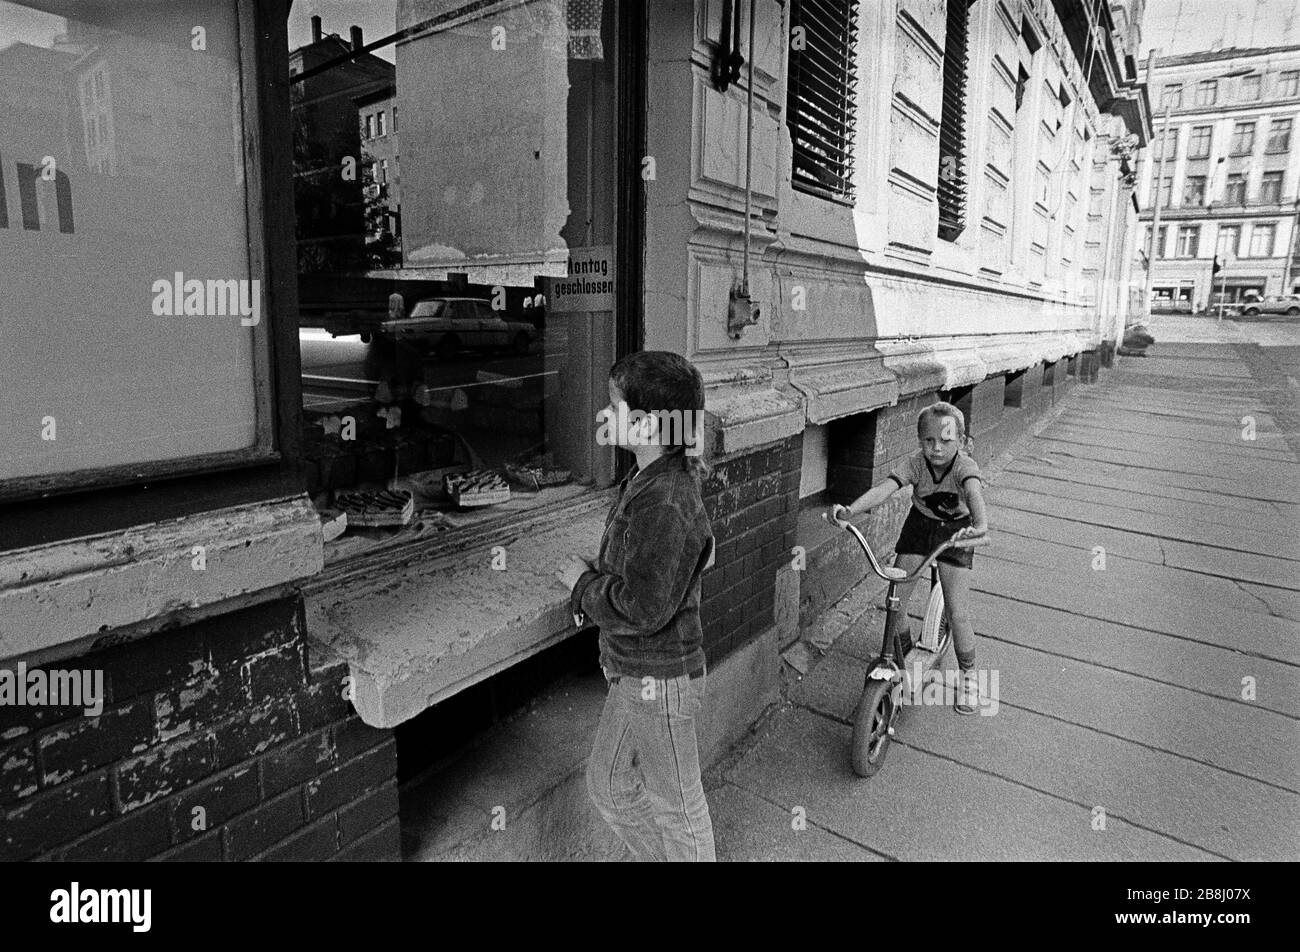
(644, 771)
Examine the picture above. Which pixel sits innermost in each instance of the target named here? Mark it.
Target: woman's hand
(572, 571)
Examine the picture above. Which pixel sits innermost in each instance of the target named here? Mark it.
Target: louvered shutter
(821, 100)
(952, 128)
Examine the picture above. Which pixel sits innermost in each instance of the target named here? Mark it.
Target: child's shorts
(921, 535)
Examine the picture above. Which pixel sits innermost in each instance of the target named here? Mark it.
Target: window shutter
(952, 128)
(822, 94)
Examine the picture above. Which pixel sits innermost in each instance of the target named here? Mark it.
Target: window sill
(417, 627)
(55, 596)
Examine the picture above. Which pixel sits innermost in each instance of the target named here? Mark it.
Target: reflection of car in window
(448, 325)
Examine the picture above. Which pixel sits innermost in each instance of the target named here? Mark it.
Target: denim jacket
(645, 592)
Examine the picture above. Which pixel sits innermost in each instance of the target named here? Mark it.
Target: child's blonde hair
(939, 410)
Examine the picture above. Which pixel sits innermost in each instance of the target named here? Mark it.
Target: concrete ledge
(56, 595)
(531, 771)
(842, 383)
(739, 418)
(415, 634)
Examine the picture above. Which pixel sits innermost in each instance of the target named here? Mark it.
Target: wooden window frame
(951, 191)
(39, 510)
(824, 176)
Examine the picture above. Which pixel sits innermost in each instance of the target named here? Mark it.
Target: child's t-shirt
(938, 495)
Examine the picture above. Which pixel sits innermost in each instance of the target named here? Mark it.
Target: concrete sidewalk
(1125, 687)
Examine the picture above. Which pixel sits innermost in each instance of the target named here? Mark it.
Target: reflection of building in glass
(486, 171)
(377, 113)
(326, 132)
(33, 102)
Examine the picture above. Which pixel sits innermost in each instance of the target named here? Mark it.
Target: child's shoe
(968, 692)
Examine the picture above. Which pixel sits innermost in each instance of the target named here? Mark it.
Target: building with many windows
(1230, 177)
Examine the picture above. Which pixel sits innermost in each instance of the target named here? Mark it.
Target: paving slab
(1180, 614)
(929, 808)
(1172, 446)
(1278, 545)
(1225, 433)
(1182, 509)
(1059, 462)
(1247, 742)
(747, 827)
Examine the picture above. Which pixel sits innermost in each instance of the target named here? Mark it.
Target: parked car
(446, 325)
(1288, 304)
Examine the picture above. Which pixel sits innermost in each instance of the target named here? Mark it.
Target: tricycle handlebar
(953, 543)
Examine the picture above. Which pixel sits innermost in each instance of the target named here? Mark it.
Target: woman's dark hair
(661, 382)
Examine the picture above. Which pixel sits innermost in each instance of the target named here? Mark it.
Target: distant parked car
(1287, 304)
(447, 325)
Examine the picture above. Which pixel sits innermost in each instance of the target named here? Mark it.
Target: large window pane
(457, 296)
(125, 237)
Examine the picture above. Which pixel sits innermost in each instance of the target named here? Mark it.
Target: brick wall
(753, 503)
(223, 740)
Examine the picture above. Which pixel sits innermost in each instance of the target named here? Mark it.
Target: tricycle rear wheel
(935, 629)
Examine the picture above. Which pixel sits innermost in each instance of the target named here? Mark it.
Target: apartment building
(1228, 183)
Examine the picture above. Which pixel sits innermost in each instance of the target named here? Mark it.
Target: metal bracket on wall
(742, 311)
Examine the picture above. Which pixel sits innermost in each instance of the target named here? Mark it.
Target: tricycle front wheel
(871, 727)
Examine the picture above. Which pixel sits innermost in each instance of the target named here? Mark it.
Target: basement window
(1013, 392)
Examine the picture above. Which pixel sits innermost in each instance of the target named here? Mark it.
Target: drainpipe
(742, 312)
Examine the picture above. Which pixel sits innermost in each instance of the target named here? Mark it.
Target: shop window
(456, 338)
(135, 336)
(821, 97)
(952, 126)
